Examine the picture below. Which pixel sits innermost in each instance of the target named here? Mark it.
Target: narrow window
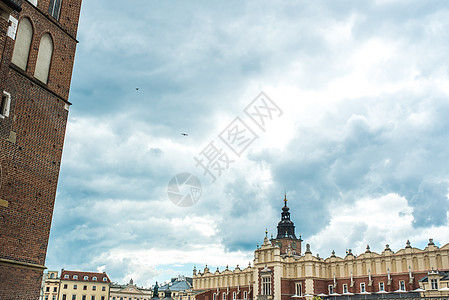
(47, 289)
(23, 44)
(84, 297)
(381, 286)
(362, 287)
(102, 297)
(234, 296)
(73, 297)
(54, 297)
(65, 286)
(298, 289)
(92, 298)
(55, 289)
(85, 287)
(54, 8)
(345, 288)
(224, 296)
(215, 296)
(64, 297)
(103, 288)
(94, 288)
(402, 285)
(245, 295)
(266, 285)
(331, 289)
(434, 284)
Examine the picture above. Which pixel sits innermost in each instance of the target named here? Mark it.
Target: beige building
(129, 292)
(76, 285)
(281, 271)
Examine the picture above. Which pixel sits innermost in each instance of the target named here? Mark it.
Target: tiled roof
(85, 276)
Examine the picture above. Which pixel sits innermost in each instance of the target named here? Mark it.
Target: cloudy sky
(358, 139)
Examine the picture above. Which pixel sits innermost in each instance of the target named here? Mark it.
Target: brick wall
(30, 161)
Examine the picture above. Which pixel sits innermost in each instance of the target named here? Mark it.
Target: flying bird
(137, 88)
(184, 134)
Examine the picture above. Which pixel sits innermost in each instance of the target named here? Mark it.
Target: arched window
(44, 58)
(54, 8)
(75, 276)
(23, 44)
(52, 275)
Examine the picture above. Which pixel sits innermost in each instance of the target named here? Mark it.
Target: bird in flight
(137, 88)
(184, 134)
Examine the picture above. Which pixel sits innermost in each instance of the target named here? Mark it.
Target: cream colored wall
(293, 266)
(79, 292)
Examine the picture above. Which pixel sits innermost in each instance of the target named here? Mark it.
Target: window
(331, 289)
(86, 277)
(92, 298)
(54, 8)
(54, 297)
(66, 276)
(381, 286)
(434, 284)
(402, 285)
(215, 296)
(85, 287)
(43, 60)
(298, 289)
(266, 285)
(55, 289)
(234, 296)
(105, 279)
(75, 287)
(84, 297)
(64, 297)
(113, 298)
(102, 297)
(75, 276)
(47, 289)
(65, 286)
(94, 278)
(46, 297)
(345, 288)
(52, 275)
(94, 288)
(362, 287)
(224, 296)
(245, 295)
(23, 44)
(73, 297)
(103, 288)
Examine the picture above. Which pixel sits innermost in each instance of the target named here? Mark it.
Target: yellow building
(76, 285)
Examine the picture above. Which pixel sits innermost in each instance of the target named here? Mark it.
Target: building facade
(281, 271)
(38, 42)
(76, 285)
(129, 291)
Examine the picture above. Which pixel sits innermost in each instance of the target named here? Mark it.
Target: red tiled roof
(82, 274)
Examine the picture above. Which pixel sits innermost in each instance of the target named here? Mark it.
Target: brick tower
(37, 51)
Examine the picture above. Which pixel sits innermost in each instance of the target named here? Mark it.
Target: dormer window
(66, 276)
(86, 277)
(94, 278)
(75, 276)
(105, 279)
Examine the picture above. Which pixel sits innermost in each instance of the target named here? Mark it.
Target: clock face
(294, 245)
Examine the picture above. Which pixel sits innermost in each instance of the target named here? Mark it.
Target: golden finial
(266, 232)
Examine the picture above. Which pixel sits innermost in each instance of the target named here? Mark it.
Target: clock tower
(286, 238)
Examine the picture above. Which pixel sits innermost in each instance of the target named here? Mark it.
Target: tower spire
(285, 199)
